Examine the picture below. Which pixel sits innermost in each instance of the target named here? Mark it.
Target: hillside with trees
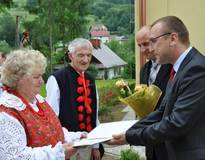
(117, 15)
(52, 24)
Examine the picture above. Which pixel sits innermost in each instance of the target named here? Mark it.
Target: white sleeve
(53, 94)
(98, 105)
(71, 137)
(97, 119)
(13, 143)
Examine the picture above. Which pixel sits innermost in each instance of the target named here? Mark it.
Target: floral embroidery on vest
(42, 127)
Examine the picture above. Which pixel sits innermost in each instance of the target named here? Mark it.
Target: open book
(104, 132)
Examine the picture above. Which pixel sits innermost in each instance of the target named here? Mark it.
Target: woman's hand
(69, 150)
(83, 135)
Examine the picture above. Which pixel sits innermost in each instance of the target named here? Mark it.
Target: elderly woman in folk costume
(29, 129)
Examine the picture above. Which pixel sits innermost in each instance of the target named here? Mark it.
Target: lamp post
(17, 32)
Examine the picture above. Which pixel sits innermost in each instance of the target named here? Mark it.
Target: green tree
(120, 18)
(117, 15)
(57, 21)
(4, 47)
(115, 46)
(99, 8)
(32, 6)
(92, 70)
(121, 1)
(5, 3)
(7, 29)
(126, 51)
(65, 19)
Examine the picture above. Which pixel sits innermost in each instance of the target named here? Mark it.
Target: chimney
(96, 43)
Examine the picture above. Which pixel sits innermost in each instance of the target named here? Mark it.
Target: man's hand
(118, 139)
(95, 154)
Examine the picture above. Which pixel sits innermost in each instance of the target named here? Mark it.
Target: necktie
(153, 73)
(172, 74)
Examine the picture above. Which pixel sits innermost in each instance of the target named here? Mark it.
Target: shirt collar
(180, 59)
(154, 62)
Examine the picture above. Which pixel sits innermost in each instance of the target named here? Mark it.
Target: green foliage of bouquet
(125, 89)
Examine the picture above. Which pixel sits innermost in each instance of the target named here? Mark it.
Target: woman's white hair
(79, 42)
(20, 63)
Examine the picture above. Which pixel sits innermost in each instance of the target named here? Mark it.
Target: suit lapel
(146, 72)
(172, 85)
(164, 71)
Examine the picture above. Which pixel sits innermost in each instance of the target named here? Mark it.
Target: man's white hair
(79, 42)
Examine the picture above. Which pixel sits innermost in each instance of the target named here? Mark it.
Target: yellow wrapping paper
(143, 100)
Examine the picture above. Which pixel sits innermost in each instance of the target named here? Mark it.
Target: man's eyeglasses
(153, 40)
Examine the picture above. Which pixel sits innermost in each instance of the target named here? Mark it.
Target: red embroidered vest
(42, 128)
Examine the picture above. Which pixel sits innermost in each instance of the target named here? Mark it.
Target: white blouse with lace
(13, 142)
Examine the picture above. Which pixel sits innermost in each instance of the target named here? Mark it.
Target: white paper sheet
(104, 132)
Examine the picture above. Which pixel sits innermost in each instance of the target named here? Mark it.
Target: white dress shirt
(180, 59)
(154, 71)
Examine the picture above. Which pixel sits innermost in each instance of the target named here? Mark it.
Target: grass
(115, 114)
(108, 83)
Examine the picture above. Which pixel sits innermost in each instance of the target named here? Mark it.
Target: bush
(130, 154)
(4, 46)
(92, 71)
(109, 98)
(43, 91)
(104, 110)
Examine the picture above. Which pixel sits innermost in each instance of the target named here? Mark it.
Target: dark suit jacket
(161, 79)
(156, 152)
(182, 126)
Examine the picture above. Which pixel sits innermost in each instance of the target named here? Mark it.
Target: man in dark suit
(182, 111)
(152, 73)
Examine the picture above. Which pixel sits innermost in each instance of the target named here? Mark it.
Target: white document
(104, 132)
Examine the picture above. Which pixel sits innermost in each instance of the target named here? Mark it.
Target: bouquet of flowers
(141, 98)
(124, 87)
